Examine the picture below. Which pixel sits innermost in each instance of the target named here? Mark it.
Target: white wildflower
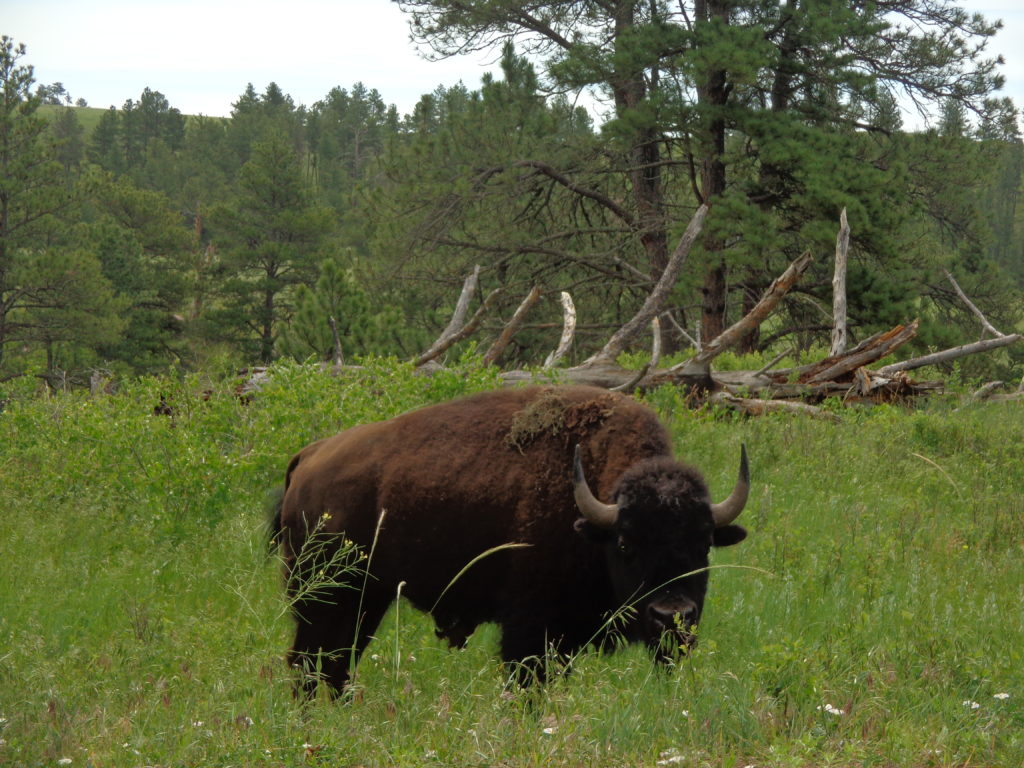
(197, 724)
(1001, 696)
(550, 730)
(831, 710)
(64, 761)
(971, 704)
(671, 757)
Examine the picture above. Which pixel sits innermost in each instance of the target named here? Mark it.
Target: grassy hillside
(88, 117)
(876, 619)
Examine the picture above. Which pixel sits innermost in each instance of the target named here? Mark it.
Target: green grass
(141, 622)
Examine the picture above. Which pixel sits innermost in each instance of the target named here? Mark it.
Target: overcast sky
(201, 53)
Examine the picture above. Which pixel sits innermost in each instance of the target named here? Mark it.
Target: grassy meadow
(874, 616)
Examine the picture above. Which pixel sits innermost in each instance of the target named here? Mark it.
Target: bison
(426, 493)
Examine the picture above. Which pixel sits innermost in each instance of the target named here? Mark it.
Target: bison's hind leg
(455, 630)
(330, 637)
(335, 613)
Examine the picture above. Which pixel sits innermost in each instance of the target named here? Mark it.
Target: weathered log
(953, 353)
(758, 407)
(882, 345)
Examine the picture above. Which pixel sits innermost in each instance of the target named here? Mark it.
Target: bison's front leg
(529, 651)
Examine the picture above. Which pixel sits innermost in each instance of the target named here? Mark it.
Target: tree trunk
(630, 91)
(267, 332)
(712, 95)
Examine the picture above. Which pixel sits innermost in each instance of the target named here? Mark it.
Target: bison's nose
(672, 617)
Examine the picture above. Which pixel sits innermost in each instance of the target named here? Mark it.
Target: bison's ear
(589, 531)
(728, 535)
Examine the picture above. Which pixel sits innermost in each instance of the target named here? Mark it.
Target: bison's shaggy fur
(425, 493)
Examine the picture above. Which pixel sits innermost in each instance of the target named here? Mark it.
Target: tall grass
(141, 620)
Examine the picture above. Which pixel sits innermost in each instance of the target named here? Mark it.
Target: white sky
(201, 53)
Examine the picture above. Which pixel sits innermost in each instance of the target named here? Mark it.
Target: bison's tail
(274, 501)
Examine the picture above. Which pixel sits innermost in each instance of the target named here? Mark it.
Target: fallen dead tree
(850, 375)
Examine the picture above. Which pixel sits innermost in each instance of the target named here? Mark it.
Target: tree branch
(657, 297)
(839, 288)
(569, 184)
(970, 305)
(700, 364)
(511, 327)
(568, 330)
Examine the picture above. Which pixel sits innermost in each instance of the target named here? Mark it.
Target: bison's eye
(625, 548)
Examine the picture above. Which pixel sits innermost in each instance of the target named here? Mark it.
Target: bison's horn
(726, 511)
(597, 513)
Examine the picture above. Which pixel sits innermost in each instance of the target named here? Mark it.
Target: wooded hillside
(141, 240)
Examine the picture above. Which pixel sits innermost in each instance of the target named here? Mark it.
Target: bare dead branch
(682, 331)
(651, 364)
(445, 342)
(458, 318)
(768, 366)
(657, 297)
(568, 331)
(339, 359)
(951, 354)
(970, 305)
(839, 287)
(700, 364)
(511, 327)
(572, 186)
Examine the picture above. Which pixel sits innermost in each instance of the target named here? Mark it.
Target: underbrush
(872, 617)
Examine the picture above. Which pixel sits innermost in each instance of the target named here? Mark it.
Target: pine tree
(762, 106)
(337, 303)
(50, 290)
(270, 235)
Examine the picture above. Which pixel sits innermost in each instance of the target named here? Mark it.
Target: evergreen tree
(105, 142)
(70, 139)
(348, 130)
(337, 298)
(761, 105)
(45, 289)
(264, 117)
(147, 253)
(270, 235)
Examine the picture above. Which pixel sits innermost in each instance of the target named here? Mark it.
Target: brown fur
(452, 481)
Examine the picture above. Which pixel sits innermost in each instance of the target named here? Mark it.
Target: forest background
(140, 240)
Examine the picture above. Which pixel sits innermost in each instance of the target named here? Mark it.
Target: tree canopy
(144, 238)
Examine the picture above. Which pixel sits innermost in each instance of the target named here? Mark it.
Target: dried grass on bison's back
(551, 415)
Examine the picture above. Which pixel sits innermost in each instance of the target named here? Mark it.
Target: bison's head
(657, 535)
